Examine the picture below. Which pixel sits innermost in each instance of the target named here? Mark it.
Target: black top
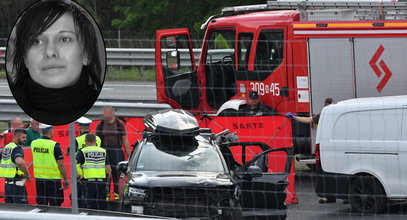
(260, 110)
(56, 106)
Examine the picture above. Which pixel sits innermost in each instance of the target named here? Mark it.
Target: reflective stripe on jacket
(8, 169)
(81, 144)
(95, 162)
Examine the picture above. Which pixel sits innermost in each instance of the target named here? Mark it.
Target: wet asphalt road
(309, 207)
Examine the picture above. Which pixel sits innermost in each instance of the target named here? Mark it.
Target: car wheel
(366, 195)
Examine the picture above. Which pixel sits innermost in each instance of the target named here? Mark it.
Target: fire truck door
(380, 65)
(330, 70)
(176, 74)
(268, 72)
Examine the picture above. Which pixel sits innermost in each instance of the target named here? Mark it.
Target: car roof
(256, 19)
(171, 121)
(371, 103)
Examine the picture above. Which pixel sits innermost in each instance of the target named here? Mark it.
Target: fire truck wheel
(366, 195)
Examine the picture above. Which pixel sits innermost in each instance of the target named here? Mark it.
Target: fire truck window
(172, 44)
(245, 43)
(221, 46)
(219, 67)
(269, 50)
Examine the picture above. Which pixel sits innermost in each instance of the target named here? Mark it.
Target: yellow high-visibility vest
(81, 144)
(95, 162)
(8, 169)
(45, 165)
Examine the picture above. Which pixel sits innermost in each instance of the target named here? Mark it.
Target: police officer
(12, 167)
(95, 169)
(255, 107)
(49, 168)
(83, 127)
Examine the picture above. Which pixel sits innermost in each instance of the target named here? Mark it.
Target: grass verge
(3, 126)
(120, 74)
(129, 74)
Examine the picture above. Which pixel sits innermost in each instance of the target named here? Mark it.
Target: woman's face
(56, 58)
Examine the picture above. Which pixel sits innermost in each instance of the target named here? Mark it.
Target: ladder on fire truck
(330, 10)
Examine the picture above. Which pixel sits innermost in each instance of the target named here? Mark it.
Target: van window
(269, 50)
(383, 125)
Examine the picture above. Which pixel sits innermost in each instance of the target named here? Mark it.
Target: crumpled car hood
(151, 179)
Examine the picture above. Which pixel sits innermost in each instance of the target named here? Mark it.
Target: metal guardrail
(145, 57)
(140, 57)
(9, 109)
(2, 55)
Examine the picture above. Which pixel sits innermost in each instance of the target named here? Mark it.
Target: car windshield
(200, 158)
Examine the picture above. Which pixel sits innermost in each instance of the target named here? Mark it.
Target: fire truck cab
(294, 53)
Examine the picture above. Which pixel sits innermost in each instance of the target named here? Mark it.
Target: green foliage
(135, 16)
(9, 12)
(2, 74)
(129, 74)
(147, 16)
(3, 126)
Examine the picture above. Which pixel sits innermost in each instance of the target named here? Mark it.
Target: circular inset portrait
(55, 61)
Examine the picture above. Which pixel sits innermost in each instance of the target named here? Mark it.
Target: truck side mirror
(173, 60)
(254, 171)
(122, 166)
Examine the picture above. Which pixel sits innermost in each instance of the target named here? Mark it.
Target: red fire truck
(294, 53)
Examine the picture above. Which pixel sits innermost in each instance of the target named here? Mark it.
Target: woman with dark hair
(56, 72)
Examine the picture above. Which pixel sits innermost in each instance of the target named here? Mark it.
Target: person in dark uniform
(312, 119)
(315, 119)
(49, 168)
(255, 107)
(95, 170)
(83, 127)
(13, 168)
(113, 135)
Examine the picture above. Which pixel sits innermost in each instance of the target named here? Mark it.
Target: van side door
(403, 151)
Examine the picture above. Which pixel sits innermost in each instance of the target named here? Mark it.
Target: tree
(147, 16)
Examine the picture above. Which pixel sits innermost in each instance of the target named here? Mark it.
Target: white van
(361, 146)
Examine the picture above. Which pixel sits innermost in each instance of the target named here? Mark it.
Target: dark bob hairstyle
(38, 18)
